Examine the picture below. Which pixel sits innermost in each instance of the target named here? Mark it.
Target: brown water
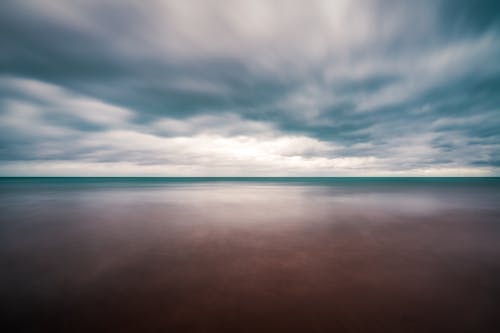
(258, 256)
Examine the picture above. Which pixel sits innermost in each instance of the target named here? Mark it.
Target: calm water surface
(250, 255)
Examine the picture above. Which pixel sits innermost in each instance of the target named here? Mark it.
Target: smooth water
(250, 254)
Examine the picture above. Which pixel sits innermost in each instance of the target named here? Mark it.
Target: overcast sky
(249, 87)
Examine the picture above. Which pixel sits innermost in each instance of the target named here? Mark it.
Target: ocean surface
(250, 254)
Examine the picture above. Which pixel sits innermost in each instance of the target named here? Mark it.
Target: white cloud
(242, 87)
(58, 101)
(219, 144)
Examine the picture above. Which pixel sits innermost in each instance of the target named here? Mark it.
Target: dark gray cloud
(250, 87)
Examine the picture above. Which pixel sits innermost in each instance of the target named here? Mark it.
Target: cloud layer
(249, 87)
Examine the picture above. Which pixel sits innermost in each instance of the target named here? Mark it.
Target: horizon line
(247, 177)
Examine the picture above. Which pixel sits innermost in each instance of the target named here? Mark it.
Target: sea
(246, 254)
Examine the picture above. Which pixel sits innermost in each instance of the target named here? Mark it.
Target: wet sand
(250, 257)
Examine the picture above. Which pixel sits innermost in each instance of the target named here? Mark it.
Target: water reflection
(243, 256)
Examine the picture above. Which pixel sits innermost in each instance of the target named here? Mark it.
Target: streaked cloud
(250, 87)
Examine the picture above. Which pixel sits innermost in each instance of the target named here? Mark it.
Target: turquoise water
(250, 254)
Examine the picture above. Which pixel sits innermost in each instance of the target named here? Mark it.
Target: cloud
(250, 87)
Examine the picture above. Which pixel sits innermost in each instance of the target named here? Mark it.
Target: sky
(249, 88)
